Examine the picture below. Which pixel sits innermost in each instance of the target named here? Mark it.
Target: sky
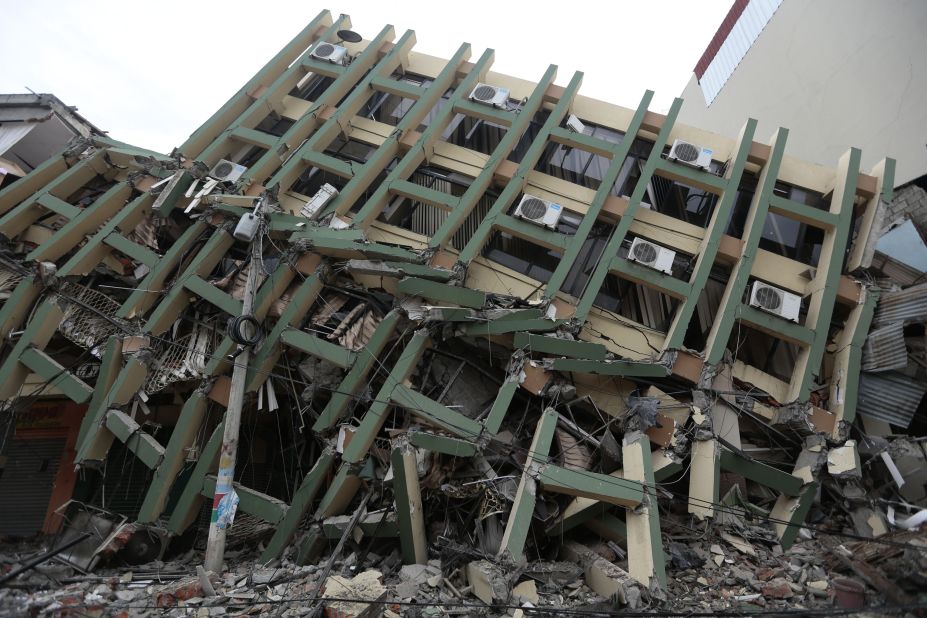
(151, 73)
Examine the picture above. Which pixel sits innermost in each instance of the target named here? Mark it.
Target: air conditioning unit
(322, 197)
(538, 211)
(652, 255)
(490, 95)
(575, 124)
(773, 300)
(336, 54)
(226, 171)
(690, 154)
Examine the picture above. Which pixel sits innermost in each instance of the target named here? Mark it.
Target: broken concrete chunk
(488, 581)
(367, 586)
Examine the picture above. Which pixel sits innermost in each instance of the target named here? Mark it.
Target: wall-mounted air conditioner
(574, 124)
(538, 211)
(336, 54)
(322, 197)
(490, 95)
(226, 171)
(775, 301)
(690, 154)
(652, 255)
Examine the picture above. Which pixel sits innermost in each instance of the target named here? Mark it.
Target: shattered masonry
(424, 345)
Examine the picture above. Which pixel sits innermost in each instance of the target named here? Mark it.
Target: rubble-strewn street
(396, 335)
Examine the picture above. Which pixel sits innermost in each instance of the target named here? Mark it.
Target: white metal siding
(735, 46)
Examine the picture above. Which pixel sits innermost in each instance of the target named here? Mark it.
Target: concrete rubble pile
(420, 436)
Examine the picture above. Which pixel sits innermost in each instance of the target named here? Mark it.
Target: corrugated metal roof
(908, 305)
(738, 41)
(720, 35)
(890, 396)
(884, 349)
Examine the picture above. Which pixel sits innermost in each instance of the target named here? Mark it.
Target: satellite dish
(349, 36)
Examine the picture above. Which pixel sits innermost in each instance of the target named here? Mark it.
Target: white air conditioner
(652, 255)
(773, 300)
(226, 171)
(336, 54)
(490, 95)
(322, 197)
(575, 124)
(538, 211)
(690, 154)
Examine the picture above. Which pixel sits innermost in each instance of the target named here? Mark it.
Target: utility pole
(215, 545)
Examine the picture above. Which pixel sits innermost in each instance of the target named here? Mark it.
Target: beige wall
(836, 73)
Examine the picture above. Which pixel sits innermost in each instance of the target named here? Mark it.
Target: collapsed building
(492, 317)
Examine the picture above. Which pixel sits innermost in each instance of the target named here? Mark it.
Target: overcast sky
(151, 72)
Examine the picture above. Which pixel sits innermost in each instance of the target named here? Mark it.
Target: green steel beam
(560, 347)
(618, 155)
(390, 148)
(318, 347)
(421, 193)
(439, 292)
(319, 67)
(373, 419)
(455, 447)
(56, 375)
(531, 232)
(366, 62)
(711, 242)
(182, 438)
(366, 359)
(499, 327)
(400, 269)
(736, 286)
(420, 152)
(32, 183)
(827, 279)
(213, 295)
(789, 513)
(269, 351)
(851, 386)
(135, 251)
(500, 153)
(188, 505)
(630, 369)
(253, 137)
(607, 526)
(519, 522)
(594, 284)
(336, 166)
(802, 212)
(379, 525)
(484, 112)
(596, 145)
(172, 193)
(110, 366)
(147, 292)
(397, 87)
(412, 538)
(262, 506)
(585, 484)
(775, 325)
(302, 500)
(86, 222)
(145, 447)
(651, 278)
(241, 100)
(782, 482)
(130, 379)
(58, 205)
(92, 252)
(435, 413)
(38, 332)
(177, 297)
(500, 406)
(18, 305)
(690, 175)
(270, 96)
(345, 248)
